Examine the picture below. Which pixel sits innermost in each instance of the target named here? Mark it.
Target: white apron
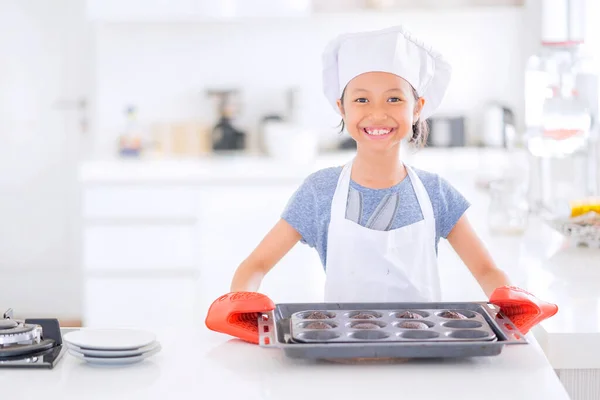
(365, 265)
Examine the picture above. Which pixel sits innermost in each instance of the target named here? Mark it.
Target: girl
(376, 222)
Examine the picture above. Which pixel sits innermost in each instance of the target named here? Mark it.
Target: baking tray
(284, 328)
(389, 325)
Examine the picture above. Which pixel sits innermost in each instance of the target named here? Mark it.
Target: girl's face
(379, 109)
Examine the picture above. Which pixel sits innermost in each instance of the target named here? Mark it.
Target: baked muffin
(318, 325)
(413, 325)
(409, 315)
(452, 315)
(363, 315)
(365, 325)
(317, 315)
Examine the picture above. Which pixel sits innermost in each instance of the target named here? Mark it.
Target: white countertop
(215, 169)
(241, 166)
(539, 261)
(208, 365)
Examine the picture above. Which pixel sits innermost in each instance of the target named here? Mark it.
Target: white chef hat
(392, 50)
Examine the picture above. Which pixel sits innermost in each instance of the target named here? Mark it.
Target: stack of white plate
(111, 346)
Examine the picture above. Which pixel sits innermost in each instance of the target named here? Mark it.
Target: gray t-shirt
(309, 209)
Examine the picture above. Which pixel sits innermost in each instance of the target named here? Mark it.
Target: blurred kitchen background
(147, 146)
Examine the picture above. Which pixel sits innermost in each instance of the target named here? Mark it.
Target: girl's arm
(276, 244)
(473, 253)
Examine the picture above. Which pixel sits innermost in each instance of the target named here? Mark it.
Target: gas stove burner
(20, 334)
(29, 343)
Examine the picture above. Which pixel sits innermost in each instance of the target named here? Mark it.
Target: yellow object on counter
(584, 206)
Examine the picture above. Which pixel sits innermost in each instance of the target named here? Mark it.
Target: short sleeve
(451, 206)
(301, 213)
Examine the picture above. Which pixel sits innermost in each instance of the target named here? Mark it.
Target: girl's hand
(237, 314)
(523, 308)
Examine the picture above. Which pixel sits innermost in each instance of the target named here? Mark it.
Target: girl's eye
(394, 99)
(361, 100)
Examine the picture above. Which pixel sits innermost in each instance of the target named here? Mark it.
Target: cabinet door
(233, 220)
(138, 202)
(140, 247)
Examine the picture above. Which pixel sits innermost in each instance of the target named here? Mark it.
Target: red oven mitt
(523, 308)
(237, 314)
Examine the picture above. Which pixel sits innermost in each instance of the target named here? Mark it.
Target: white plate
(110, 339)
(114, 360)
(113, 353)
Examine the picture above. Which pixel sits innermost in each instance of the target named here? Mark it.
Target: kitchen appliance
(446, 132)
(290, 143)
(483, 330)
(225, 136)
(498, 126)
(32, 343)
(347, 144)
(286, 137)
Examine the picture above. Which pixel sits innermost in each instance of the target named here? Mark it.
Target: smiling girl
(375, 221)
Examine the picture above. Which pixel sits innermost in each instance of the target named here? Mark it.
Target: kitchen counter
(240, 166)
(211, 169)
(203, 364)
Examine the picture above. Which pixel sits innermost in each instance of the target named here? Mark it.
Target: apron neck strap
(340, 197)
(422, 196)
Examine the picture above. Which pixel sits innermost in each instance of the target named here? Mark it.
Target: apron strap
(422, 197)
(340, 197)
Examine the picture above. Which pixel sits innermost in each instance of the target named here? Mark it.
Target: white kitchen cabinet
(150, 247)
(193, 10)
(139, 244)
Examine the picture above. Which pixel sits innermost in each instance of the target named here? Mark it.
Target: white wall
(164, 68)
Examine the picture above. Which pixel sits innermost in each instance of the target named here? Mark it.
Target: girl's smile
(378, 133)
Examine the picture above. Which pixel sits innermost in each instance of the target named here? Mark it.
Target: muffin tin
(484, 332)
(389, 325)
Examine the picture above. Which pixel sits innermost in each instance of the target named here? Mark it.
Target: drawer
(139, 201)
(151, 303)
(139, 247)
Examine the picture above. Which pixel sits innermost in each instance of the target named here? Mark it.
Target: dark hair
(420, 130)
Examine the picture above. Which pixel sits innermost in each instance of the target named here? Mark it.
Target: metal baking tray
(483, 332)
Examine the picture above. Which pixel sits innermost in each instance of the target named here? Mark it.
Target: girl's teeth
(377, 131)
